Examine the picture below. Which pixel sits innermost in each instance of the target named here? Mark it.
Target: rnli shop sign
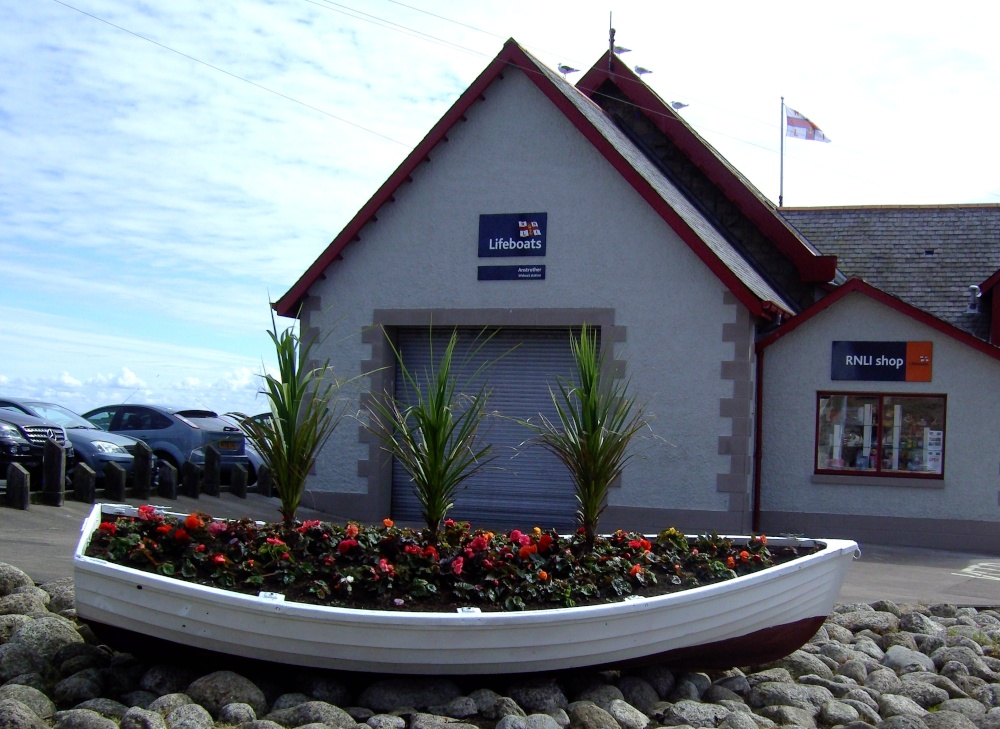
(512, 235)
(882, 361)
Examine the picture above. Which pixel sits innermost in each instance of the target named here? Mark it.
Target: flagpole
(781, 182)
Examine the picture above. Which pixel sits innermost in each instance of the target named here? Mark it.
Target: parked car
(175, 435)
(92, 445)
(22, 440)
(252, 454)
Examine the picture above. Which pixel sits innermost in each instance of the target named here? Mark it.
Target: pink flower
(478, 544)
(149, 513)
(200, 548)
(449, 523)
(216, 528)
(385, 567)
(515, 536)
(275, 542)
(457, 564)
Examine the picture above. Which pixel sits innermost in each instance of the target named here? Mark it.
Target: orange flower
(636, 569)
(193, 521)
(388, 523)
(527, 550)
(351, 531)
(744, 556)
(730, 562)
(543, 575)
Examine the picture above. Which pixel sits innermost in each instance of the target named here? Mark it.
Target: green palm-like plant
(597, 422)
(304, 413)
(434, 439)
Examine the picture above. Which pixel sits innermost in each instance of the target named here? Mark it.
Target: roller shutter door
(525, 486)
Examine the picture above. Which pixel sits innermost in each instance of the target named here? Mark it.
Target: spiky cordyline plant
(304, 413)
(597, 422)
(435, 438)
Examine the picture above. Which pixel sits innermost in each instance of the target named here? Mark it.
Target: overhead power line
(235, 76)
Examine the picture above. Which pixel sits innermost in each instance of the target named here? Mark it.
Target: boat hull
(750, 619)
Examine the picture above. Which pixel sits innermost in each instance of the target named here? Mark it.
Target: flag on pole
(796, 125)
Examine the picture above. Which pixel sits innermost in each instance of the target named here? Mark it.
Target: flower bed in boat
(386, 567)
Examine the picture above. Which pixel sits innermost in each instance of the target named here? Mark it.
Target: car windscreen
(59, 415)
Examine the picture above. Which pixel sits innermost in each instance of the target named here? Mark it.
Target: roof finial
(611, 46)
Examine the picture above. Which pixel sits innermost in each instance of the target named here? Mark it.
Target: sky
(167, 169)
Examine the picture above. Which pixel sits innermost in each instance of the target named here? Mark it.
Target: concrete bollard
(84, 483)
(166, 486)
(212, 480)
(53, 474)
(18, 487)
(114, 481)
(142, 471)
(190, 480)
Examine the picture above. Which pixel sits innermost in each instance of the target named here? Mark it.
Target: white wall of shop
(606, 249)
(798, 365)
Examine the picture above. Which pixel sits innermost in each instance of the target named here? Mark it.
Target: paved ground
(41, 541)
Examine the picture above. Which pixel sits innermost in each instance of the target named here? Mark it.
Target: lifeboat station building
(829, 371)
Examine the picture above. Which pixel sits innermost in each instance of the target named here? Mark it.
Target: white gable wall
(964, 505)
(606, 250)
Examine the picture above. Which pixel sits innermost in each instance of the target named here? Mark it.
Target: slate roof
(927, 255)
(697, 230)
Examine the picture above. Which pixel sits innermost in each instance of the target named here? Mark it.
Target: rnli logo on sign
(528, 229)
(512, 235)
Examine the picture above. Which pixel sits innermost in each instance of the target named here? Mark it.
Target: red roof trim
(990, 282)
(513, 55)
(812, 267)
(288, 304)
(858, 286)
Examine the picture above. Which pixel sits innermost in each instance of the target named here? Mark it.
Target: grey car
(175, 435)
(92, 445)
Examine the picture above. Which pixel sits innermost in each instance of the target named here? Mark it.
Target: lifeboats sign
(882, 361)
(512, 235)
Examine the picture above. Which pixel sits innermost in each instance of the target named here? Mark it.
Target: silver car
(175, 435)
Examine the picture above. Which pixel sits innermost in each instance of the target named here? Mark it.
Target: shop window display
(880, 434)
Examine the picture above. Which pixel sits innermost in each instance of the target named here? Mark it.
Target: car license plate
(228, 445)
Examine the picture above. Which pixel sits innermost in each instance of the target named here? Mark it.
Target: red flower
(478, 544)
(164, 529)
(308, 524)
(456, 565)
(182, 536)
(430, 551)
(346, 545)
(286, 556)
(275, 542)
(219, 558)
(193, 522)
(544, 542)
(351, 531)
(527, 550)
(109, 527)
(543, 575)
(250, 564)
(449, 523)
(200, 548)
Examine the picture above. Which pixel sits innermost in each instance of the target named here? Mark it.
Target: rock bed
(871, 665)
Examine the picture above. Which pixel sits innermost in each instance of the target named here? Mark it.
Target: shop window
(880, 434)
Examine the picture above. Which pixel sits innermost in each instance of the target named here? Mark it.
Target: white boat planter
(750, 619)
